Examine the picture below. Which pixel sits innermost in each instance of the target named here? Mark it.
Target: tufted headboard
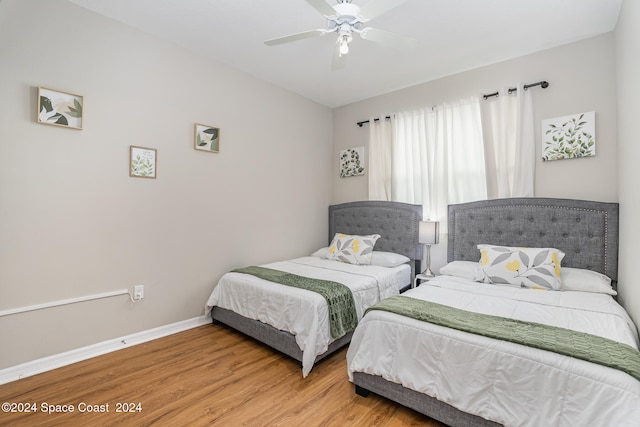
(396, 223)
(586, 231)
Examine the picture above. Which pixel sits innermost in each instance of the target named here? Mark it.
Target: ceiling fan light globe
(343, 42)
(344, 48)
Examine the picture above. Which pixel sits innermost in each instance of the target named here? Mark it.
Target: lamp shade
(429, 232)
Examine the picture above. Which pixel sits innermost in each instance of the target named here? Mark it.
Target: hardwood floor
(211, 375)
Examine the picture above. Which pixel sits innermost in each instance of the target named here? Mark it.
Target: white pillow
(388, 259)
(578, 279)
(462, 269)
(379, 258)
(322, 252)
(571, 279)
(535, 268)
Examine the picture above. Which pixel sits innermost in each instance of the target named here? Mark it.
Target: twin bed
(467, 377)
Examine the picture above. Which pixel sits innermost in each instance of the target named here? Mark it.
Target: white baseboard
(48, 363)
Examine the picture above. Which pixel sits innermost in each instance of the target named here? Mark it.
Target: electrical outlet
(138, 292)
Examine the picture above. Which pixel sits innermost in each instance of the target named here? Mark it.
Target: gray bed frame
(396, 223)
(586, 231)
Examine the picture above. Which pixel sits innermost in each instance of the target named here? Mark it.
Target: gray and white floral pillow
(352, 249)
(535, 268)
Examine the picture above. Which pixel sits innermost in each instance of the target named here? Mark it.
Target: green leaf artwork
(351, 162)
(143, 162)
(76, 110)
(207, 138)
(59, 108)
(142, 167)
(569, 137)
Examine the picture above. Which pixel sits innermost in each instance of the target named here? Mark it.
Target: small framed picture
(60, 108)
(351, 162)
(207, 138)
(142, 162)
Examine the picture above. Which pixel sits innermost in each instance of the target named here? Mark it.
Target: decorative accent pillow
(578, 279)
(535, 268)
(352, 249)
(379, 258)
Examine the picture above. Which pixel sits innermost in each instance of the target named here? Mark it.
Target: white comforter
(300, 312)
(504, 382)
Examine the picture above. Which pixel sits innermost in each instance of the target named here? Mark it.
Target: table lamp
(428, 234)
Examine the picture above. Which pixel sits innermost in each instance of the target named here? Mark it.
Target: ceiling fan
(346, 19)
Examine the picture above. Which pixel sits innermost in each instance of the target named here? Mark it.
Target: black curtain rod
(544, 84)
(367, 121)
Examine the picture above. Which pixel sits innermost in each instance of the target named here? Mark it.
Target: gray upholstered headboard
(586, 231)
(396, 223)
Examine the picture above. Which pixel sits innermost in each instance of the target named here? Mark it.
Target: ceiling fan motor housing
(346, 20)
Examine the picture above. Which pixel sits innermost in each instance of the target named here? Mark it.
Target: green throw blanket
(343, 317)
(580, 345)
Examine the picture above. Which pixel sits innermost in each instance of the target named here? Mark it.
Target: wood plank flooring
(206, 376)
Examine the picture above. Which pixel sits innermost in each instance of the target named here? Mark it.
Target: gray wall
(73, 223)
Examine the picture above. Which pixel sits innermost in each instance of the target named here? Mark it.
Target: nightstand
(421, 278)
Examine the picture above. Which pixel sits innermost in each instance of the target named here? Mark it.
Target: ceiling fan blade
(294, 37)
(378, 7)
(339, 61)
(322, 7)
(388, 38)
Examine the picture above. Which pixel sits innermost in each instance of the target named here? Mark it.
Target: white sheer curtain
(379, 158)
(437, 158)
(510, 143)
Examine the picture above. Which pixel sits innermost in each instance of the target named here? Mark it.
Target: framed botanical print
(569, 137)
(207, 138)
(142, 162)
(60, 108)
(351, 162)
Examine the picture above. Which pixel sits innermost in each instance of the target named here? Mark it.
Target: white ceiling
(453, 36)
